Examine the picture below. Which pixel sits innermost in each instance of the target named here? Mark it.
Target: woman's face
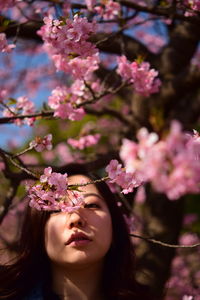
(83, 236)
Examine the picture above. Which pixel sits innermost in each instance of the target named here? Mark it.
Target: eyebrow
(93, 194)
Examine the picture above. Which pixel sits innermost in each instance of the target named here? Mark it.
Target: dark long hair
(32, 264)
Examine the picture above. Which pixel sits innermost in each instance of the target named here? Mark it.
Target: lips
(78, 238)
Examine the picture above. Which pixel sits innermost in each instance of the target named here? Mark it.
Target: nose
(76, 220)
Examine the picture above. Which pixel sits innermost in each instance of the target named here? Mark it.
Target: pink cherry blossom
(84, 141)
(41, 144)
(78, 67)
(52, 193)
(127, 181)
(153, 42)
(2, 166)
(132, 152)
(64, 103)
(5, 4)
(140, 196)
(171, 165)
(90, 4)
(4, 47)
(46, 175)
(184, 280)
(190, 219)
(23, 106)
(189, 239)
(63, 153)
(3, 95)
(58, 96)
(110, 10)
(140, 75)
(124, 68)
(113, 169)
(66, 111)
(68, 46)
(76, 198)
(193, 4)
(59, 182)
(186, 297)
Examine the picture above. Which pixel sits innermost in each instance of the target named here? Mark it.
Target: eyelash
(55, 211)
(87, 205)
(91, 205)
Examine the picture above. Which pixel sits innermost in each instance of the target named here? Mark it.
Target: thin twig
(90, 89)
(163, 243)
(23, 168)
(89, 182)
(8, 108)
(9, 156)
(22, 152)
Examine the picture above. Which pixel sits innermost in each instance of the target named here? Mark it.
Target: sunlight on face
(83, 236)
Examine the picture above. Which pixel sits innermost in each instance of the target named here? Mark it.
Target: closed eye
(55, 211)
(91, 205)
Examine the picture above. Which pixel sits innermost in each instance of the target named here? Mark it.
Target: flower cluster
(51, 193)
(90, 4)
(4, 47)
(194, 4)
(109, 10)
(64, 103)
(84, 141)
(171, 165)
(79, 68)
(67, 44)
(126, 180)
(186, 297)
(22, 106)
(3, 95)
(42, 144)
(140, 75)
(185, 275)
(5, 4)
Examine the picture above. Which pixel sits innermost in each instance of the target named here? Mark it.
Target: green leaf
(11, 101)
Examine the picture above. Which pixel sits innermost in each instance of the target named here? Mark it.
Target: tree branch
(6, 120)
(176, 56)
(27, 30)
(112, 44)
(176, 100)
(110, 112)
(161, 11)
(155, 10)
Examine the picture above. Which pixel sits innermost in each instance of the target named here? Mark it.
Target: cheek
(105, 232)
(52, 238)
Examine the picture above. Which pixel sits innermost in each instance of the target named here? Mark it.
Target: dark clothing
(41, 293)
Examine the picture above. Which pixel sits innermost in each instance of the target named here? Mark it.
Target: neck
(83, 283)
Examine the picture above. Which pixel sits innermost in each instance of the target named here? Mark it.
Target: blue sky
(11, 133)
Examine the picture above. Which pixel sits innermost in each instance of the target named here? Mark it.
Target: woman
(79, 255)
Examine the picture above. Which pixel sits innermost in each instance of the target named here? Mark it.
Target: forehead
(79, 179)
